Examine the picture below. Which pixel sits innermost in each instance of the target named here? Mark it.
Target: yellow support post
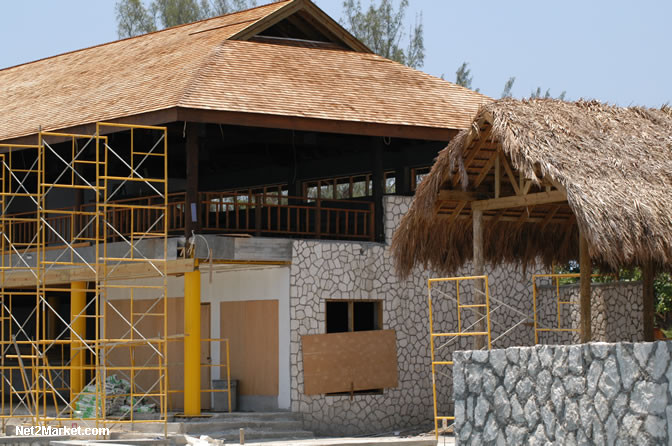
(78, 330)
(192, 343)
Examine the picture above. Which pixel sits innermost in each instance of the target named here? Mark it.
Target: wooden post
(378, 180)
(258, 203)
(479, 285)
(586, 268)
(648, 300)
(192, 222)
(402, 181)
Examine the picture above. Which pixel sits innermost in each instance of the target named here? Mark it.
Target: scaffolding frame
(461, 331)
(560, 303)
(45, 240)
(489, 303)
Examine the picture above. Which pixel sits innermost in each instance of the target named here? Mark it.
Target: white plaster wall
(233, 283)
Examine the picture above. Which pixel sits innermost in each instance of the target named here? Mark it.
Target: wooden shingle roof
(202, 66)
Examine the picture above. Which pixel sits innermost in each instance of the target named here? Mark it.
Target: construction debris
(117, 400)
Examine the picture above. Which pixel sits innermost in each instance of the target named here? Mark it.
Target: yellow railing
(209, 365)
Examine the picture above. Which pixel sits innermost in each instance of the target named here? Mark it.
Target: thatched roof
(613, 163)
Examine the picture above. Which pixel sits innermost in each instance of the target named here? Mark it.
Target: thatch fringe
(615, 164)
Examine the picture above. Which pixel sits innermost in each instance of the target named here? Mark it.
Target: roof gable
(301, 20)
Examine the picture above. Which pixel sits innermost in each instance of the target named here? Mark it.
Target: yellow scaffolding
(482, 314)
(559, 303)
(37, 371)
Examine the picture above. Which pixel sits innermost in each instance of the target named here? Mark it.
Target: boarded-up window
(349, 362)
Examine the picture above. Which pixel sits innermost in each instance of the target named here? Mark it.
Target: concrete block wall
(596, 393)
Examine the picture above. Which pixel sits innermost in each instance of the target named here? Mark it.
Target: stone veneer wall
(580, 394)
(347, 270)
(616, 312)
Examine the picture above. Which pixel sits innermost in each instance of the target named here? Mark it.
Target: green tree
(506, 93)
(134, 17)
(537, 94)
(380, 28)
(463, 76)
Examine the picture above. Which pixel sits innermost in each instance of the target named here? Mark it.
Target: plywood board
(252, 330)
(343, 362)
(152, 326)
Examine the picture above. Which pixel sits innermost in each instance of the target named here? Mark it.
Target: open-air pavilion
(549, 181)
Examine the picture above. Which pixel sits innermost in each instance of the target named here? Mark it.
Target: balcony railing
(218, 212)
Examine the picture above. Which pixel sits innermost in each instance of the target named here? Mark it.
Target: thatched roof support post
(586, 268)
(479, 285)
(648, 300)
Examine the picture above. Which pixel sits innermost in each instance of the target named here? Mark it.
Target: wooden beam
(316, 124)
(501, 217)
(19, 279)
(485, 170)
(586, 269)
(483, 137)
(648, 301)
(457, 195)
(509, 173)
(519, 201)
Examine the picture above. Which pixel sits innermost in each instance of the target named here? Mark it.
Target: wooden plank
(252, 330)
(648, 300)
(82, 273)
(519, 201)
(585, 267)
(352, 361)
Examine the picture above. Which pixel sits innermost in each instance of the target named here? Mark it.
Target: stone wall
(580, 394)
(346, 270)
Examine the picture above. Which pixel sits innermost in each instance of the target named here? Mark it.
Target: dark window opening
(337, 316)
(354, 315)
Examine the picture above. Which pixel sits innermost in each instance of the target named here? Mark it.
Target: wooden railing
(271, 214)
(219, 212)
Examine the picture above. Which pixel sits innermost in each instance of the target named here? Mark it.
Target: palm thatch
(614, 163)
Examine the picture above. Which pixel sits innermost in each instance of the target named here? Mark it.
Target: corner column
(77, 331)
(479, 286)
(192, 343)
(585, 270)
(378, 182)
(648, 300)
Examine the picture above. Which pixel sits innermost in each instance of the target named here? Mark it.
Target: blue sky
(615, 51)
